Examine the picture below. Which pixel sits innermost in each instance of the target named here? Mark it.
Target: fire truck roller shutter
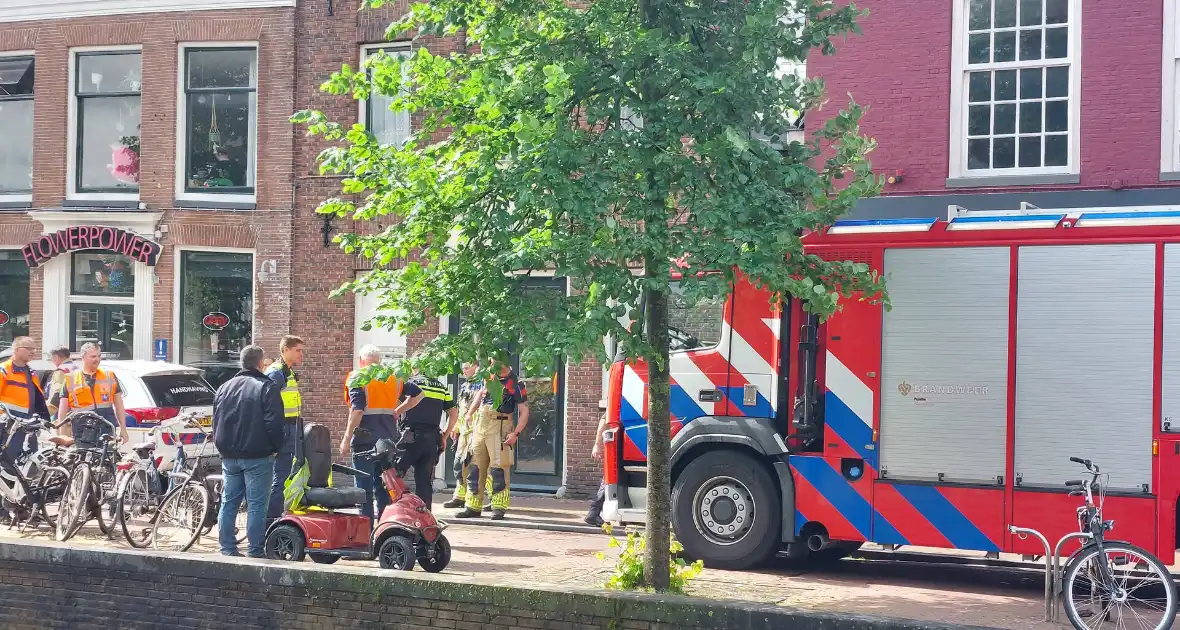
(944, 364)
(1084, 346)
(1170, 416)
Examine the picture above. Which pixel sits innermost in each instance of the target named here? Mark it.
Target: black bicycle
(1110, 583)
(90, 490)
(31, 482)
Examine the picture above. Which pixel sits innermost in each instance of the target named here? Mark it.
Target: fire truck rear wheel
(726, 510)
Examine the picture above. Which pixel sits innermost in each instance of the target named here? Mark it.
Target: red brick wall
(266, 229)
(901, 69)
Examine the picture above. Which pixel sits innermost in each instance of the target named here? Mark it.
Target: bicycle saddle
(61, 440)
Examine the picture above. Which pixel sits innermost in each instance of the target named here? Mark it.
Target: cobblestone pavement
(519, 556)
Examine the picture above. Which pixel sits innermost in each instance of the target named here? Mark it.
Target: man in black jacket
(248, 431)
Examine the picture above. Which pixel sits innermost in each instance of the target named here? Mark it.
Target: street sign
(160, 350)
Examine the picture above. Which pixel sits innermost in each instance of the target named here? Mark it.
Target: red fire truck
(1015, 341)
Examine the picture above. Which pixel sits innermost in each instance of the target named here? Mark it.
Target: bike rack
(1050, 568)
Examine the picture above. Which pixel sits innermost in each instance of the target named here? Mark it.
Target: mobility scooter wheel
(322, 558)
(285, 542)
(434, 557)
(397, 552)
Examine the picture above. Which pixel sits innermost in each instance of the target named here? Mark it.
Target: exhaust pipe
(818, 542)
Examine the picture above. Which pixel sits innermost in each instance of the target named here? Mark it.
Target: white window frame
(359, 317)
(177, 268)
(72, 128)
(182, 131)
(1169, 114)
(24, 197)
(959, 106)
(404, 49)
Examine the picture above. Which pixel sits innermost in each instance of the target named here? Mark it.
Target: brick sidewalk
(527, 557)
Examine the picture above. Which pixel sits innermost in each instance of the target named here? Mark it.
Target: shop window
(220, 97)
(14, 298)
(107, 88)
(101, 273)
(217, 311)
(16, 119)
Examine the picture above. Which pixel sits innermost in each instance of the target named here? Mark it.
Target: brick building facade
(176, 137)
(1002, 74)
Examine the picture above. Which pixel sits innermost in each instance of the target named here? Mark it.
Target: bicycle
(142, 484)
(1106, 587)
(90, 490)
(32, 482)
(189, 510)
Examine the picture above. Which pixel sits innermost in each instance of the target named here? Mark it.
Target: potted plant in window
(124, 164)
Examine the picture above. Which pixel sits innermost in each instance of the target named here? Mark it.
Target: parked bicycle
(189, 510)
(90, 490)
(31, 482)
(1105, 583)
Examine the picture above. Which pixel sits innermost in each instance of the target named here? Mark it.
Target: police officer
(492, 440)
(93, 388)
(57, 384)
(467, 393)
(282, 372)
(421, 442)
(373, 409)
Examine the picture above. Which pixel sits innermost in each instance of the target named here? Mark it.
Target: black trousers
(418, 448)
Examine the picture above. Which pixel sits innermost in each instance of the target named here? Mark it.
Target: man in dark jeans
(248, 431)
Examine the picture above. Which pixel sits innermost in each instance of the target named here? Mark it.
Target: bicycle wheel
(182, 514)
(72, 510)
(50, 488)
(1140, 593)
(136, 508)
(105, 504)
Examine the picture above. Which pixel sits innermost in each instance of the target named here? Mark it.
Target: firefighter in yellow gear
(467, 395)
(492, 439)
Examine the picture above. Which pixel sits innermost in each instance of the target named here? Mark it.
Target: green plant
(628, 574)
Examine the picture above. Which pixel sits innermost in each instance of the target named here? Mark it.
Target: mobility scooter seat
(317, 448)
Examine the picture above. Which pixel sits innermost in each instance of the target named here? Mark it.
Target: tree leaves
(537, 151)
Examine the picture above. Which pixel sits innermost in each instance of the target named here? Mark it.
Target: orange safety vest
(101, 399)
(14, 388)
(381, 397)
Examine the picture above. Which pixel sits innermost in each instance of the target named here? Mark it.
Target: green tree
(600, 141)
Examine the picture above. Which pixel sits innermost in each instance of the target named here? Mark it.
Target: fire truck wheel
(726, 511)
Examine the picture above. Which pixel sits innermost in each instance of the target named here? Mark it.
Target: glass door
(112, 326)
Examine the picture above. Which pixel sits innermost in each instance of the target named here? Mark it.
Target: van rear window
(179, 390)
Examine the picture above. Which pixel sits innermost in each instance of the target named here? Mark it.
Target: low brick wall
(45, 585)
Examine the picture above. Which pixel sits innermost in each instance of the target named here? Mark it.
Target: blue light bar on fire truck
(878, 226)
(1125, 219)
(1007, 222)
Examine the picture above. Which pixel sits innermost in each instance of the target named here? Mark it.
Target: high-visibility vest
(14, 389)
(381, 397)
(100, 400)
(292, 400)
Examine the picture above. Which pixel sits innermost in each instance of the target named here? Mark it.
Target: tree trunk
(656, 556)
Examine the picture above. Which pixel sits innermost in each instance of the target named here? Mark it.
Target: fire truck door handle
(708, 395)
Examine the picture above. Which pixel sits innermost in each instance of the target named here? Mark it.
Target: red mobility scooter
(406, 531)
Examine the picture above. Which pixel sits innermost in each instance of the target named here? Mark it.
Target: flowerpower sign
(91, 237)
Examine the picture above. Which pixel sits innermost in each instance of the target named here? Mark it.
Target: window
(388, 126)
(1170, 106)
(1017, 101)
(221, 107)
(16, 118)
(14, 297)
(217, 312)
(391, 342)
(107, 88)
(100, 273)
(694, 326)
(179, 390)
